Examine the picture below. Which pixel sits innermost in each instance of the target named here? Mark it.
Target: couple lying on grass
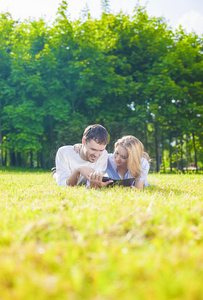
(86, 163)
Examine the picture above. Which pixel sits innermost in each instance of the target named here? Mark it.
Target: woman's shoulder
(110, 157)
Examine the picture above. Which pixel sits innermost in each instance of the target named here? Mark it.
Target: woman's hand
(95, 179)
(77, 148)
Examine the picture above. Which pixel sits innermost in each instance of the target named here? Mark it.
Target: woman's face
(120, 156)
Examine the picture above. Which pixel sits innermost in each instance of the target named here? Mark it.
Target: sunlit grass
(115, 243)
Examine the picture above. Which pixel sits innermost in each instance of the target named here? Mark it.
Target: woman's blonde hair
(135, 151)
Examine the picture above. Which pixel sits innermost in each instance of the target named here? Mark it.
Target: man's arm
(101, 164)
(64, 175)
(73, 178)
(100, 167)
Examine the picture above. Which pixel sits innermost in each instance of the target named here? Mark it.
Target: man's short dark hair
(96, 132)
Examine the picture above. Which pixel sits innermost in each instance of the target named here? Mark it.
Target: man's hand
(86, 171)
(95, 179)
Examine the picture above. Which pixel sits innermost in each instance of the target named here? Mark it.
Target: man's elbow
(61, 183)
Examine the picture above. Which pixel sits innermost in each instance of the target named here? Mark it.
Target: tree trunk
(186, 150)
(41, 159)
(157, 148)
(170, 151)
(162, 153)
(1, 143)
(5, 158)
(146, 137)
(177, 165)
(181, 151)
(12, 158)
(194, 144)
(18, 159)
(51, 129)
(31, 158)
(38, 159)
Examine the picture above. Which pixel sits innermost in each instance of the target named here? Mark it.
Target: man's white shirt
(68, 160)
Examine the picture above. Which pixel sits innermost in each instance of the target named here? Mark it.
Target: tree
(6, 28)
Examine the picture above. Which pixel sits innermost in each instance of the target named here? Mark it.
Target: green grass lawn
(114, 243)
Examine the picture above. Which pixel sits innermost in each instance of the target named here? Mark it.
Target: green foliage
(25, 120)
(115, 243)
(71, 132)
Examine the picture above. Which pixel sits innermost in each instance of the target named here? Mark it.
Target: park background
(133, 74)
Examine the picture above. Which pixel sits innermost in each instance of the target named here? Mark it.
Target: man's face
(92, 150)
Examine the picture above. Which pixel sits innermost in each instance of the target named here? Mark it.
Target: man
(74, 168)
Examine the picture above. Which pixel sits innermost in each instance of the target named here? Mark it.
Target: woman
(128, 160)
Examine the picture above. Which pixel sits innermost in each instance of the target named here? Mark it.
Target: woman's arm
(139, 184)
